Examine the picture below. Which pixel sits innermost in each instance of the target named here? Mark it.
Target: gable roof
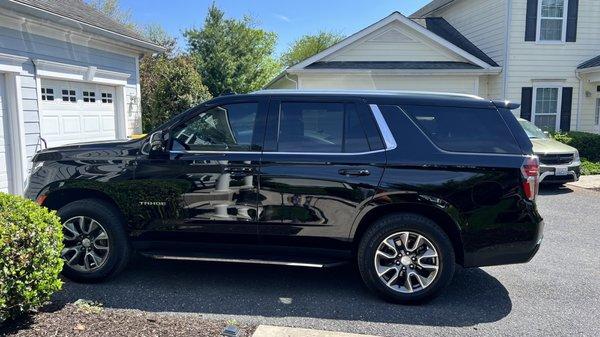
(592, 63)
(430, 7)
(78, 14)
(444, 29)
(438, 31)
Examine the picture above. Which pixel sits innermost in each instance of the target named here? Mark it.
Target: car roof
(406, 97)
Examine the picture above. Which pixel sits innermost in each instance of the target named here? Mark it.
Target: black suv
(404, 184)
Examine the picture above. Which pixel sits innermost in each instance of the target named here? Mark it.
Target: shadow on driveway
(554, 189)
(338, 293)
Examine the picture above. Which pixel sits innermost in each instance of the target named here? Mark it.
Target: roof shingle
(595, 62)
(82, 12)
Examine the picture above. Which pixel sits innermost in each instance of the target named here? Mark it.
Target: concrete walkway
(278, 331)
(587, 182)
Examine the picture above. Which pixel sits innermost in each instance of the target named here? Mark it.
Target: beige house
(542, 53)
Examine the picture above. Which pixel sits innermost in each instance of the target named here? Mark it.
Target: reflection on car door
(214, 164)
(322, 160)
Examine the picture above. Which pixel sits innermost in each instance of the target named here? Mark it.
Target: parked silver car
(559, 163)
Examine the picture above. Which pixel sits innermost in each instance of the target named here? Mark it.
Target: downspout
(506, 47)
(580, 99)
(291, 80)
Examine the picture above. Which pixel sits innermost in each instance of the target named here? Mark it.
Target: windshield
(531, 130)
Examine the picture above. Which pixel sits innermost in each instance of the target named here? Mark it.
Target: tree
(309, 45)
(157, 34)
(169, 86)
(232, 55)
(113, 9)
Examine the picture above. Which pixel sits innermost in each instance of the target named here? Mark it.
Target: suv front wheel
(95, 243)
(406, 258)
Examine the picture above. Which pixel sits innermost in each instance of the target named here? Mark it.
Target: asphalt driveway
(558, 293)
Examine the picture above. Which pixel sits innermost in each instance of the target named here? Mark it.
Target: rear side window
(321, 127)
(464, 129)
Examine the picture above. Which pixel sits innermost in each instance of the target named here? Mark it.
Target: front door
(209, 182)
(322, 161)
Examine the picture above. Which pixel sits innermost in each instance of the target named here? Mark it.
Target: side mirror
(156, 145)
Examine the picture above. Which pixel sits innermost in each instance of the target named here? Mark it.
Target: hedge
(587, 143)
(30, 261)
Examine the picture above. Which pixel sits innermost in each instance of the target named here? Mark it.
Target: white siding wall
(392, 43)
(483, 22)
(531, 62)
(4, 139)
(458, 84)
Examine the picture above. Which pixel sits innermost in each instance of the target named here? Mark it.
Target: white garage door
(73, 112)
(4, 138)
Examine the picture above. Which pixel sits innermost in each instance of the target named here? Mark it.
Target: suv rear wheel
(406, 258)
(95, 243)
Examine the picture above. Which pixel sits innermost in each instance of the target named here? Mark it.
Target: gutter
(489, 71)
(44, 14)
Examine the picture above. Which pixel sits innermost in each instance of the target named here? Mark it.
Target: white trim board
(69, 72)
(394, 17)
(12, 66)
(544, 85)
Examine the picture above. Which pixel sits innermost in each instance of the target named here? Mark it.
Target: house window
(552, 20)
(89, 96)
(107, 97)
(597, 116)
(69, 96)
(547, 104)
(47, 94)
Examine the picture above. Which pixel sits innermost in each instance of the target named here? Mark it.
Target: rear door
(323, 159)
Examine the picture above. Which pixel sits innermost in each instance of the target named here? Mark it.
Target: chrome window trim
(388, 137)
(275, 152)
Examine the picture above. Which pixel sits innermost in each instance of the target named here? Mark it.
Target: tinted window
(464, 129)
(224, 128)
(321, 127)
(311, 127)
(355, 138)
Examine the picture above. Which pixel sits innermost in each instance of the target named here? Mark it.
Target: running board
(305, 264)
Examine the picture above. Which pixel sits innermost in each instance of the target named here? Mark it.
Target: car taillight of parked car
(531, 176)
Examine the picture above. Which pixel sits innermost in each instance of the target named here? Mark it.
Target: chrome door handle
(356, 173)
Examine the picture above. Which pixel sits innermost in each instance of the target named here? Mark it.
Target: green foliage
(232, 55)
(587, 143)
(30, 261)
(588, 167)
(309, 45)
(112, 9)
(169, 86)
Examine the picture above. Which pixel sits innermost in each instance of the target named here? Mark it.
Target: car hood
(90, 150)
(550, 146)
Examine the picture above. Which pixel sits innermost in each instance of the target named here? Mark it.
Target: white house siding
(4, 139)
(392, 43)
(483, 22)
(458, 84)
(531, 62)
(22, 43)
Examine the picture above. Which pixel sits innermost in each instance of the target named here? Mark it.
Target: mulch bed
(90, 320)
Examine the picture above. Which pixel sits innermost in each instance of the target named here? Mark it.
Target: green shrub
(30, 262)
(588, 167)
(587, 143)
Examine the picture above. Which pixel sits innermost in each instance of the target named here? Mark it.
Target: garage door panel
(86, 119)
(71, 125)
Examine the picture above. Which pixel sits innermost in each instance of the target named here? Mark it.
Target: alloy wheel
(86, 244)
(407, 262)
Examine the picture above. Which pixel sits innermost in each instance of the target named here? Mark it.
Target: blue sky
(289, 19)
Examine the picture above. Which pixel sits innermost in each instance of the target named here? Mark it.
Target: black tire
(112, 222)
(415, 223)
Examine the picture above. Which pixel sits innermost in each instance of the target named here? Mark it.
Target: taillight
(531, 176)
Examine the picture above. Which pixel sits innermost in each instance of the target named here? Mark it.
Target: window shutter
(531, 20)
(572, 13)
(565, 109)
(526, 102)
